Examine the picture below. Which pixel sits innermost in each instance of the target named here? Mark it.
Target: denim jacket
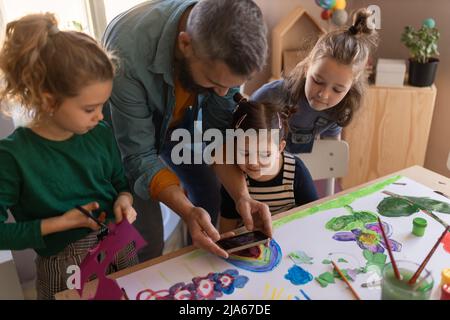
(143, 96)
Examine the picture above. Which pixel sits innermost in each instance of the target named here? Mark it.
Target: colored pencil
(425, 261)
(345, 280)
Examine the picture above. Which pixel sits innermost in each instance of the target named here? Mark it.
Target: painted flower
(370, 237)
(209, 287)
(181, 291)
(228, 280)
(204, 288)
(148, 294)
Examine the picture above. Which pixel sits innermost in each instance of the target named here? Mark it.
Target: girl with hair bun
(327, 86)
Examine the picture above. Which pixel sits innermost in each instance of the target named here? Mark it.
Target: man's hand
(123, 208)
(203, 233)
(255, 214)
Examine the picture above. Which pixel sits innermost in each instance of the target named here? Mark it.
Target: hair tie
(353, 30)
(279, 121)
(238, 124)
(53, 30)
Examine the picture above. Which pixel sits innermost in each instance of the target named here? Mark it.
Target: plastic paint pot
(419, 226)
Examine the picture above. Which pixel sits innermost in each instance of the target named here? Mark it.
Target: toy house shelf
(389, 132)
(288, 40)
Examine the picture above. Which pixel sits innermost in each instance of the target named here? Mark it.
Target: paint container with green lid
(419, 226)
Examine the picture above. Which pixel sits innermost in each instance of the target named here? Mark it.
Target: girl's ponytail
(37, 61)
(21, 58)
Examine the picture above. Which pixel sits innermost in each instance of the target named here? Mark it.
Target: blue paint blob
(296, 275)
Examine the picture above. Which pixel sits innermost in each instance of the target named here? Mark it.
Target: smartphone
(243, 241)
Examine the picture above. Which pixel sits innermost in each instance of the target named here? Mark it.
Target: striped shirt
(293, 186)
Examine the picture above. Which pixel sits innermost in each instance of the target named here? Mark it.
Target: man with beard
(181, 61)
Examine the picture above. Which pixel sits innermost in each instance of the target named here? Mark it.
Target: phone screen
(242, 241)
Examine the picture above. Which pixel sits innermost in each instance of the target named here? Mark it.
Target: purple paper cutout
(120, 235)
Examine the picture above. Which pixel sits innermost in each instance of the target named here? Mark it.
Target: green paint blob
(338, 202)
(322, 283)
(356, 220)
(300, 257)
(327, 276)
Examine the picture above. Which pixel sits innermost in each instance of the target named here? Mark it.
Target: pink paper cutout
(119, 236)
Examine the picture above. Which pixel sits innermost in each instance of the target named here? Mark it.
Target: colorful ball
(430, 23)
(326, 4)
(339, 17)
(332, 4)
(326, 14)
(340, 5)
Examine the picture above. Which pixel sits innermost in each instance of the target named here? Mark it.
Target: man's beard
(184, 75)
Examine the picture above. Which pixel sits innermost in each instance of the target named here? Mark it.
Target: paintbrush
(388, 247)
(345, 280)
(376, 283)
(425, 261)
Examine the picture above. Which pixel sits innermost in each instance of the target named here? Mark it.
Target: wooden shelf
(389, 132)
(290, 34)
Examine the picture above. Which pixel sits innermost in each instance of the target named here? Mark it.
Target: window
(71, 14)
(114, 7)
(90, 16)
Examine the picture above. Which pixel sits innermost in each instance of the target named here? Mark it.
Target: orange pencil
(345, 280)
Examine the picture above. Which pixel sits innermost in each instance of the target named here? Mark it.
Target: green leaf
(422, 44)
(366, 216)
(368, 255)
(431, 204)
(342, 260)
(379, 258)
(356, 220)
(396, 207)
(339, 223)
(326, 261)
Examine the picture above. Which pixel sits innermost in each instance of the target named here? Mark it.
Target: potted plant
(422, 45)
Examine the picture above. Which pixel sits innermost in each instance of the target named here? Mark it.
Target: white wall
(24, 259)
(273, 12)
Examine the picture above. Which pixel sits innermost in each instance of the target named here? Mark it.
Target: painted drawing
(210, 287)
(297, 263)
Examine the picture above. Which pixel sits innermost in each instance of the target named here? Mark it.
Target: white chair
(328, 160)
(448, 161)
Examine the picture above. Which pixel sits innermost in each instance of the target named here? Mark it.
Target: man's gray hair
(232, 31)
